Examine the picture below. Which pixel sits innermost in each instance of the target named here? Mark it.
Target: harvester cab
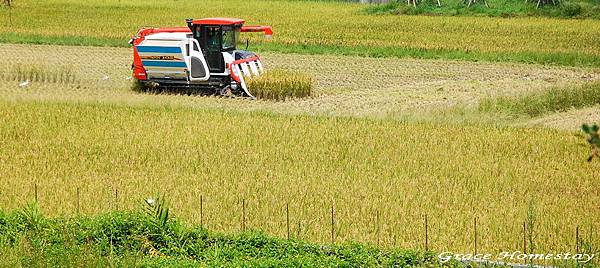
(202, 56)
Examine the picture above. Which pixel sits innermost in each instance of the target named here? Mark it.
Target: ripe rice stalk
(280, 84)
(39, 73)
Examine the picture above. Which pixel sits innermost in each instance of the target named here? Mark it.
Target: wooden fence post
(201, 211)
(577, 239)
(78, 206)
(475, 234)
(377, 227)
(243, 215)
(116, 198)
(332, 226)
(426, 234)
(287, 219)
(524, 237)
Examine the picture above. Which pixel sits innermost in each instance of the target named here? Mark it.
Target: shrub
(406, 10)
(379, 9)
(281, 84)
(570, 9)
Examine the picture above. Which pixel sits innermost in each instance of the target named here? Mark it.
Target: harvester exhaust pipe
(190, 23)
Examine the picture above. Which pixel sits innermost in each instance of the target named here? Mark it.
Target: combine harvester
(200, 57)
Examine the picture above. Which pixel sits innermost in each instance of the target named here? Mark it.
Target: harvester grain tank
(202, 56)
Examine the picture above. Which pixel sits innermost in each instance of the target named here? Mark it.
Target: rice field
(380, 144)
(94, 135)
(316, 27)
(381, 177)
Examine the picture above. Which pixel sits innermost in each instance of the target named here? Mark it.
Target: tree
(593, 138)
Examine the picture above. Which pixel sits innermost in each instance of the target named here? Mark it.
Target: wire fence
(583, 241)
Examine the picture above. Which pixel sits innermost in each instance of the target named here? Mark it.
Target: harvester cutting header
(201, 56)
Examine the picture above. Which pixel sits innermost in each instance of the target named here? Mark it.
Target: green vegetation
(495, 8)
(553, 100)
(280, 84)
(593, 138)
(316, 27)
(133, 239)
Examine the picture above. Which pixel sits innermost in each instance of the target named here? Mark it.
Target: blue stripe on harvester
(164, 63)
(159, 49)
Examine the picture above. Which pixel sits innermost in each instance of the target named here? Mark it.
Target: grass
(498, 8)
(132, 239)
(280, 84)
(381, 177)
(556, 99)
(318, 27)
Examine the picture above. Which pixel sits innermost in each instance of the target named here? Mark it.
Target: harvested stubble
(364, 87)
(280, 84)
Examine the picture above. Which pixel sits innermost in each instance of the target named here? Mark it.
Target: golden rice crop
(381, 177)
(313, 23)
(280, 84)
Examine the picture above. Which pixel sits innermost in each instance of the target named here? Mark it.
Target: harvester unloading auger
(202, 56)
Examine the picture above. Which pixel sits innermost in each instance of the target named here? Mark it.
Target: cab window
(213, 37)
(230, 37)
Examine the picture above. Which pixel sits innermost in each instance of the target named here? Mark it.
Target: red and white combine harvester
(202, 56)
